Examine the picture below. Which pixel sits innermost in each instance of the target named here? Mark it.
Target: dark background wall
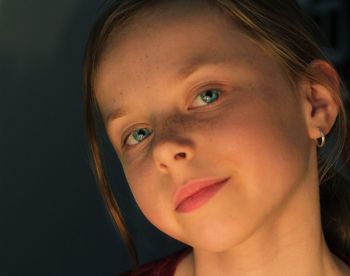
(52, 219)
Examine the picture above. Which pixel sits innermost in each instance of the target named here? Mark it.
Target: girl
(218, 111)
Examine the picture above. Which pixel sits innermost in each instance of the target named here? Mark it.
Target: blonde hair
(281, 28)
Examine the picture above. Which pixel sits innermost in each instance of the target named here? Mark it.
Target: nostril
(180, 155)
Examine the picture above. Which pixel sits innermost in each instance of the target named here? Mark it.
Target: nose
(171, 153)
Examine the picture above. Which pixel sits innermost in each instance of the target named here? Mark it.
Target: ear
(319, 98)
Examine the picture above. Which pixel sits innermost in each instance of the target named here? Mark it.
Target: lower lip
(200, 198)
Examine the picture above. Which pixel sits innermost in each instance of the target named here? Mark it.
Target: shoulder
(161, 267)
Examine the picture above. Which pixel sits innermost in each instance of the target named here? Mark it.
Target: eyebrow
(192, 65)
(185, 71)
(116, 113)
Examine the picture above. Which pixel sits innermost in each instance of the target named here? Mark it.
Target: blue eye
(138, 135)
(208, 96)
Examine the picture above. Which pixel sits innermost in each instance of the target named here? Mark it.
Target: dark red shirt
(167, 266)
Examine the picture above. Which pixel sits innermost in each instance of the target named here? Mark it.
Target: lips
(196, 192)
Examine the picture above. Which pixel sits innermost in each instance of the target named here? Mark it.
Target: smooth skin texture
(259, 131)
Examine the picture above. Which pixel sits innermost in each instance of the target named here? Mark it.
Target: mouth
(197, 192)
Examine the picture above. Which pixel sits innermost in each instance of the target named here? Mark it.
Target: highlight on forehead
(138, 14)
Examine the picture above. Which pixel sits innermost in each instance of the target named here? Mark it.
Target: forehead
(161, 45)
(176, 27)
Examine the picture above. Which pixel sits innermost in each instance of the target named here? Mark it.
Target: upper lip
(193, 186)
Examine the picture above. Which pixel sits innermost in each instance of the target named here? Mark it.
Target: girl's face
(250, 127)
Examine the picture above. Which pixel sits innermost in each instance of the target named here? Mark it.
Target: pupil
(141, 133)
(209, 96)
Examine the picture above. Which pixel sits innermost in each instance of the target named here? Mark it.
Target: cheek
(141, 183)
(152, 198)
(265, 155)
(265, 147)
(258, 128)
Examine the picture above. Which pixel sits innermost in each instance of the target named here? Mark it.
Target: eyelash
(219, 92)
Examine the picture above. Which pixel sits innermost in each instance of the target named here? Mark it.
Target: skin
(260, 132)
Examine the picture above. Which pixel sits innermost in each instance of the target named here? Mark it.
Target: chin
(214, 240)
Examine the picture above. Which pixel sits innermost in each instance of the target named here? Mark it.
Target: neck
(291, 242)
(292, 257)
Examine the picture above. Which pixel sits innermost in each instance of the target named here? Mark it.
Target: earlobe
(320, 98)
